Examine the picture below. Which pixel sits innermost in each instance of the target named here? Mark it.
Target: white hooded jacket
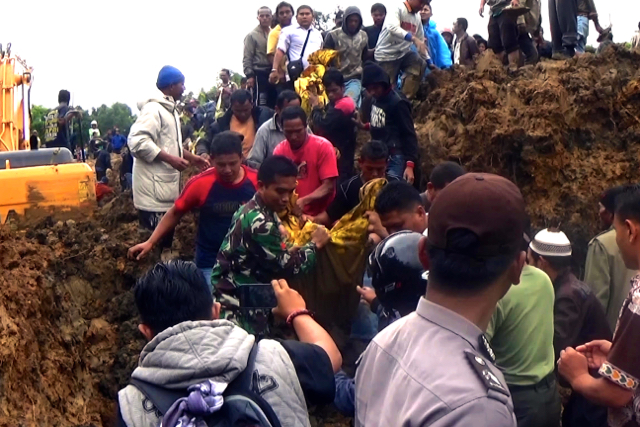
(156, 184)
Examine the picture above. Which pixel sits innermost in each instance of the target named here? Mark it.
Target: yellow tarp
(311, 78)
(330, 288)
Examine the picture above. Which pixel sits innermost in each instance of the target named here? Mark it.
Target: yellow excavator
(35, 183)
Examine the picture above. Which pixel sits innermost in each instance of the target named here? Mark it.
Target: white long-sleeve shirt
(393, 43)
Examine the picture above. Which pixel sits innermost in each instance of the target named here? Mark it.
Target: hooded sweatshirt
(391, 116)
(156, 184)
(193, 352)
(351, 46)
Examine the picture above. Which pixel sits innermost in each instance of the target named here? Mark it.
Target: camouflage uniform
(254, 251)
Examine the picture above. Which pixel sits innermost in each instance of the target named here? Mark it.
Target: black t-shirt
(314, 371)
(348, 197)
(373, 33)
(103, 161)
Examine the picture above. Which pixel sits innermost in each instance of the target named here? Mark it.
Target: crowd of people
(470, 317)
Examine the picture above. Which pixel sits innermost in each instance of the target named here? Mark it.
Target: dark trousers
(264, 93)
(579, 412)
(537, 405)
(100, 173)
(563, 19)
(149, 221)
(528, 48)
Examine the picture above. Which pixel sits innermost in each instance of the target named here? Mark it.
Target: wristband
(367, 126)
(411, 164)
(296, 314)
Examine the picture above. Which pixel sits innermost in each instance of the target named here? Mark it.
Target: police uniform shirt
(431, 368)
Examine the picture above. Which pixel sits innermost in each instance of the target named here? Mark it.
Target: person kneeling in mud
(255, 249)
(177, 311)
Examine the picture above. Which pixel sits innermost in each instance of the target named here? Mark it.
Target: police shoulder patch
(489, 379)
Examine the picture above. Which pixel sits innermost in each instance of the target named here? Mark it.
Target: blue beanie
(168, 76)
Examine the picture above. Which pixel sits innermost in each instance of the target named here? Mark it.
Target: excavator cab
(35, 183)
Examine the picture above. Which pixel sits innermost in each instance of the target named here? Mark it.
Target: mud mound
(562, 131)
(68, 328)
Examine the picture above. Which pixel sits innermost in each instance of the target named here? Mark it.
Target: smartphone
(257, 295)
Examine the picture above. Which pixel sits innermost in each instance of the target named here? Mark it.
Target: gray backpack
(242, 407)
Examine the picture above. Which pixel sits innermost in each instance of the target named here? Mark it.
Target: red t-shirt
(316, 161)
(217, 202)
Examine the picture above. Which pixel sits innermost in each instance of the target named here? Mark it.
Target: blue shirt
(438, 48)
(217, 202)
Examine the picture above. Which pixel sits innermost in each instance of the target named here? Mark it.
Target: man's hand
(289, 300)
(274, 77)
(178, 163)
(367, 294)
(375, 225)
(140, 250)
(374, 239)
(408, 175)
(206, 156)
(320, 237)
(301, 203)
(422, 48)
(201, 163)
(313, 98)
(482, 10)
(572, 364)
(596, 352)
(251, 82)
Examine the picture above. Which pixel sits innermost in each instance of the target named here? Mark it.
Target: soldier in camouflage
(255, 250)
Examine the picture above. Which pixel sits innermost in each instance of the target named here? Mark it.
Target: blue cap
(168, 76)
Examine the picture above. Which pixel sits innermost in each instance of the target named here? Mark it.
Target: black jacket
(260, 116)
(340, 129)
(392, 123)
(578, 315)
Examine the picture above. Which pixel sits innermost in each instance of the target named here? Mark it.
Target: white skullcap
(551, 243)
(94, 122)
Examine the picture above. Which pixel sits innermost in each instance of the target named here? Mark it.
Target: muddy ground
(562, 131)
(68, 328)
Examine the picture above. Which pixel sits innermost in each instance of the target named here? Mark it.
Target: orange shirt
(248, 129)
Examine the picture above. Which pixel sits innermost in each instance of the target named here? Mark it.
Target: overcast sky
(104, 52)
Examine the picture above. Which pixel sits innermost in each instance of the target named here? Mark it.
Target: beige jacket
(156, 184)
(606, 274)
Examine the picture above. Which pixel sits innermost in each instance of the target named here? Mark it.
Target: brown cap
(488, 205)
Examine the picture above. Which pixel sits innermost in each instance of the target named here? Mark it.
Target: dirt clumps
(562, 131)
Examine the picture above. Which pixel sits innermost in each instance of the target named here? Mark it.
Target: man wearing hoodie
(391, 122)
(155, 142)
(351, 43)
(243, 117)
(438, 47)
(393, 51)
(189, 346)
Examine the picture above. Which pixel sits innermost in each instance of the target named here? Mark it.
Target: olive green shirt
(521, 329)
(606, 274)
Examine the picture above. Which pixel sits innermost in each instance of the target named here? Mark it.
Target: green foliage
(236, 78)
(38, 116)
(627, 45)
(107, 117)
(590, 49)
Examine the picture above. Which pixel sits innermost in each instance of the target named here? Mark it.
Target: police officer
(435, 367)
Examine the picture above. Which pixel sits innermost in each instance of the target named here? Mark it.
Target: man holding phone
(255, 249)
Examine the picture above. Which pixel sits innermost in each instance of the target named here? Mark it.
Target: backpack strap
(243, 385)
(162, 398)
